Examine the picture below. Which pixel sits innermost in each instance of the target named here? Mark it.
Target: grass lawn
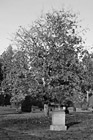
(80, 127)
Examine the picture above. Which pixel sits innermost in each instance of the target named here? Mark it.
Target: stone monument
(58, 121)
(46, 110)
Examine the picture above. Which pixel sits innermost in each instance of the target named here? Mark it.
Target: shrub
(7, 100)
(26, 104)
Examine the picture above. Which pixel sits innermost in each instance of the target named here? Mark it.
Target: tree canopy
(46, 63)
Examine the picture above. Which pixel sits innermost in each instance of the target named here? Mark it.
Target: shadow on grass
(9, 113)
(71, 124)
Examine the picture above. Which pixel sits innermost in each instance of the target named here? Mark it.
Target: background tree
(7, 65)
(1, 72)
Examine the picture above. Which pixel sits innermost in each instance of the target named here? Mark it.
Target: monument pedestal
(58, 127)
(58, 121)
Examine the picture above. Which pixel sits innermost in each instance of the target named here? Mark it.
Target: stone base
(58, 127)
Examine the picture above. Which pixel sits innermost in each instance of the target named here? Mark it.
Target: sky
(15, 13)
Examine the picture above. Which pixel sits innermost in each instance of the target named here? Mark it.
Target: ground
(35, 126)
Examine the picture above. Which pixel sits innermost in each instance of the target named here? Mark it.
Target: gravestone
(46, 110)
(58, 121)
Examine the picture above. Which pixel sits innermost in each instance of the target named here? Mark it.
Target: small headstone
(46, 110)
(64, 108)
(58, 121)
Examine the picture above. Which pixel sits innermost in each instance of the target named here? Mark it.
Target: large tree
(52, 46)
(46, 62)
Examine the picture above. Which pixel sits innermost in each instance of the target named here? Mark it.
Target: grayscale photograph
(46, 69)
